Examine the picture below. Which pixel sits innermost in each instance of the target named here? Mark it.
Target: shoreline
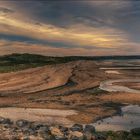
(24, 129)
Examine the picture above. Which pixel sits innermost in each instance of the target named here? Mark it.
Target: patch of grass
(119, 135)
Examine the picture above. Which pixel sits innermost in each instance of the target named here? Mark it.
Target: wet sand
(49, 116)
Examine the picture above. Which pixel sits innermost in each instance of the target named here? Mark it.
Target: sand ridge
(35, 79)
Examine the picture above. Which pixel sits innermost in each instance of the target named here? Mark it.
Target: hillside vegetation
(15, 62)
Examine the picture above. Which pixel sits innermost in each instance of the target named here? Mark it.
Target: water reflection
(129, 119)
(109, 86)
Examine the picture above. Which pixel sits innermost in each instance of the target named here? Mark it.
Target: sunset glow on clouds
(70, 28)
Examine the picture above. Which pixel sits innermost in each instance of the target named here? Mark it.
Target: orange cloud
(76, 34)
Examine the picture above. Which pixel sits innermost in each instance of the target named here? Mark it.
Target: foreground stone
(77, 127)
(25, 130)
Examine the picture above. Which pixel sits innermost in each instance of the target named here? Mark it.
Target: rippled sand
(35, 79)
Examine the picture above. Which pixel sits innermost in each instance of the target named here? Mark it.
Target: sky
(70, 27)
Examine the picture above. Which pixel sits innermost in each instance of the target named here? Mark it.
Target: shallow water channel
(109, 85)
(129, 119)
(130, 116)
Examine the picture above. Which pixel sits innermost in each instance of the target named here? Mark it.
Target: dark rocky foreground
(25, 130)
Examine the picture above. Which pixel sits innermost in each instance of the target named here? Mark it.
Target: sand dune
(35, 79)
(72, 85)
(48, 77)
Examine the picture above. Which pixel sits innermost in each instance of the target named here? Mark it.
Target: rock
(63, 129)
(89, 128)
(77, 127)
(44, 128)
(36, 126)
(61, 138)
(5, 121)
(32, 132)
(76, 135)
(44, 132)
(25, 131)
(89, 131)
(44, 135)
(135, 131)
(56, 132)
(100, 137)
(22, 123)
(58, 135)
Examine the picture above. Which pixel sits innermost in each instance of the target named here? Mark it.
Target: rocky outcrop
(25, 130)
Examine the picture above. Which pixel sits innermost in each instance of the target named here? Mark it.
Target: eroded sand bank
(35, 79)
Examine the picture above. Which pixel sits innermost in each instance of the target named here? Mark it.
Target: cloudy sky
(70, 27)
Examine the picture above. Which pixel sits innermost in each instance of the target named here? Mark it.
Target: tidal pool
(110, 87)
(129, 119)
